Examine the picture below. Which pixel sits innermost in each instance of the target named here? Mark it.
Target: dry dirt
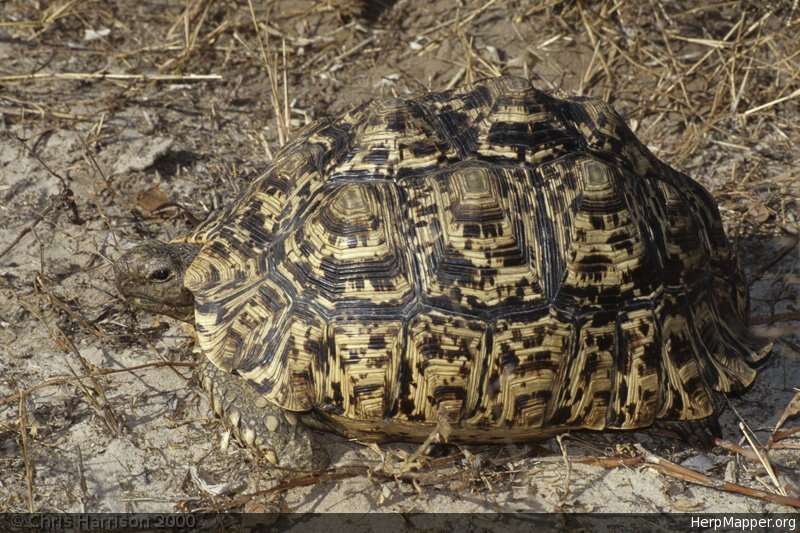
(91, 163)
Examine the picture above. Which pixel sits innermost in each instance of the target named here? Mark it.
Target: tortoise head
(150, 276)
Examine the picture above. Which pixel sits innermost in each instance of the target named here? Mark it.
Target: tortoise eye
(161, 274)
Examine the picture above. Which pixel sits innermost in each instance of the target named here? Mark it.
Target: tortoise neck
(186, 252)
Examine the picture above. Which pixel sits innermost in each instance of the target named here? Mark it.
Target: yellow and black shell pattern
(511, 262)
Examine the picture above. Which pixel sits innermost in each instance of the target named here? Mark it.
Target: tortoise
(509, 261)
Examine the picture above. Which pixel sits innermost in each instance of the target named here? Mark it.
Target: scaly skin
(150, 276)
(272, 432)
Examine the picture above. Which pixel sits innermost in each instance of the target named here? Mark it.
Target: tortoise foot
(271, 432)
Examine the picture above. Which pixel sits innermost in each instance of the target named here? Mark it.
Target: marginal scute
(441, 370)
(284, 371)
(583, 395)
(526, 362)
(512, 263)
(686, 395)
(361, 376)
(235, 322)
(636, 395)
(726, 371)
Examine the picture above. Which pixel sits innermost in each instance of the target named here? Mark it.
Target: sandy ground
(90, 166)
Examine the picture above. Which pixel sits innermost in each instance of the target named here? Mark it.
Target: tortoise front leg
(267, 429)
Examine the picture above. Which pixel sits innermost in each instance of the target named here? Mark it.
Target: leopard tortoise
(513, 263)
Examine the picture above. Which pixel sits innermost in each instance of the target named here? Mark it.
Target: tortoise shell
(494, 256)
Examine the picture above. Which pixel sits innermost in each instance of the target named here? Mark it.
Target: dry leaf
(215, 489)
(687, 506)
(759, 213)
(151, 200)
(792, 410)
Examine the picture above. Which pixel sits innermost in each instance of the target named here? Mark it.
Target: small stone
(216, 404)
(701, 462)
(272, 423)
(234, 416)
(248, 436)
(271, 456)
(730, 472)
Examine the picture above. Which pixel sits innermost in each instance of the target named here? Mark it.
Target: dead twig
(609, 462)
(777, 317)
(82, 478)
(64, 197)
(63, 380)
(787, 445)
(792, 410)
(458, 21)
(82, 76)
(95, 397)
(567, 464)
(774, 261)
(27, 229)
(775, 102)
(306, 479)
(676, 471)
(730, 446)
(756, 447)
(26, 455)
(349, 52)
(282, 121)
(753, 456)
(42, 113)
(439, 433)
